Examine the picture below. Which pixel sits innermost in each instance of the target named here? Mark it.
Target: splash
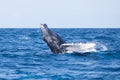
(100, 47)
(84, 47)
(24, 38)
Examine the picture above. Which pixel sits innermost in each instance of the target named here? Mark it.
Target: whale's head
(52, 39)
(44, 29)
(43, 26)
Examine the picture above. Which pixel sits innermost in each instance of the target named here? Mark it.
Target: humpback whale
(58, 45)
(52, 39)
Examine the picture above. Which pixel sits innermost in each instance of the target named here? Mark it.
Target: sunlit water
(25, 56)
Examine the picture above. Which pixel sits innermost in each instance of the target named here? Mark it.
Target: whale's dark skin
(52, 39)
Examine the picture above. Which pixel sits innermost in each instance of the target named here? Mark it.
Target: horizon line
(60, 27)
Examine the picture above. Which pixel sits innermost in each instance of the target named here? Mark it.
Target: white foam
(24, 37)
(83, 47)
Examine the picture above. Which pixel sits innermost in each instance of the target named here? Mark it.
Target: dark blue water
(24, 56)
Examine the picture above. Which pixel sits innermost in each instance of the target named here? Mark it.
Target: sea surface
(25, 56)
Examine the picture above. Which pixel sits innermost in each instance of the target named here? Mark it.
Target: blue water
(25, 56)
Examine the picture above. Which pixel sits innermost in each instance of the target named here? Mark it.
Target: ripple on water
(24, 56)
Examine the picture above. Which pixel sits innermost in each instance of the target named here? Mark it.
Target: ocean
(25, 56)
